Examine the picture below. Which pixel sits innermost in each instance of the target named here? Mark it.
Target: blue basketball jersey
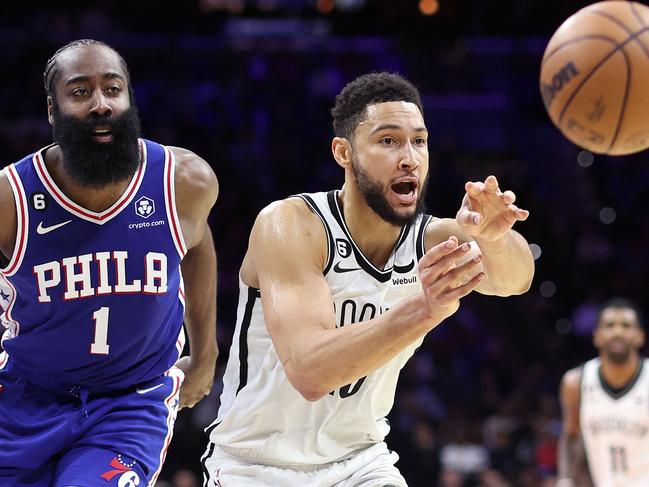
(93, 300)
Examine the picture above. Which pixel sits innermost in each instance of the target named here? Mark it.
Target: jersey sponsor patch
(144, 207)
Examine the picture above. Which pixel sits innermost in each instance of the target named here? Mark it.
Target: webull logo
(559, 80)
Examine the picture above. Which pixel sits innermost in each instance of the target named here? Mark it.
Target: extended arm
(196, 192)
(487, 216)
(288, 250)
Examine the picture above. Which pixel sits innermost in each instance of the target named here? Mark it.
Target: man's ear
(342, 152)
(50, 110)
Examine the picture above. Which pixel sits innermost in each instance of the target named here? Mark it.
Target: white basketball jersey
(615, 428)
(262, 417)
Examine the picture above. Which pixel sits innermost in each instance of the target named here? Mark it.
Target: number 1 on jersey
(100, 345)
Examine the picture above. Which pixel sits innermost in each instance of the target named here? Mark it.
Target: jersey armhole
(22, 222)
(314, 208)
(420, 244)
(170, 203)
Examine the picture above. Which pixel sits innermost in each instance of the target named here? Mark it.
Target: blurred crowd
(477, 404)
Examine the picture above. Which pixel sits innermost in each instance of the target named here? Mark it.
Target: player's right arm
(288, 253)
(8, 219)
(571, 455)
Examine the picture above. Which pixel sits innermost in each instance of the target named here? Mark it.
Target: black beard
(374, 197)
(91, 163)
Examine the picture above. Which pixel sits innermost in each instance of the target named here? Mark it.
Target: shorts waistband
(254, 456)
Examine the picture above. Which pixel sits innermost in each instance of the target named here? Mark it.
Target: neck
(374, 236)
(93, 199)
(619, 375)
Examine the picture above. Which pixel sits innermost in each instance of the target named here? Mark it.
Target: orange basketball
(595, 77)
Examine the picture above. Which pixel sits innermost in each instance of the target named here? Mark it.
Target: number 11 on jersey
(618, 459)
(100, 344)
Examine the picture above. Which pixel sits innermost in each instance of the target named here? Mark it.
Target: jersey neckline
(617, 393)
(74, 208)
(381, 275)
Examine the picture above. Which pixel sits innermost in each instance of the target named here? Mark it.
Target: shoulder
(6, 194)
(289, 228)
(7, 214)
(194, 175)
(570, 383)
(290, 214)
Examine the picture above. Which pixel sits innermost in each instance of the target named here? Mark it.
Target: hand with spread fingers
(445, 280)
(487, 213)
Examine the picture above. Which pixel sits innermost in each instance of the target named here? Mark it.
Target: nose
(100, 106)
(408, 160)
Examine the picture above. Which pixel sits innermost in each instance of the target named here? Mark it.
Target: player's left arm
(487, 216)
(196, 192)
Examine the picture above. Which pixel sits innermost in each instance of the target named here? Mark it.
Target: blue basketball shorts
(117, 440)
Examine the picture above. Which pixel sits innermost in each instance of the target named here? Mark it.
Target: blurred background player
(96, 229)
(337, 291)
(605, 405)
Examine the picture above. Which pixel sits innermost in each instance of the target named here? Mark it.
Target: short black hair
(621, 303)
(365, 90)
(51, 69)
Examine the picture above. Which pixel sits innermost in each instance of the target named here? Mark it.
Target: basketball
(595, 77)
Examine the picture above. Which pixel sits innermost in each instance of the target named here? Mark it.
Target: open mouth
(405, 190)
(102, 135)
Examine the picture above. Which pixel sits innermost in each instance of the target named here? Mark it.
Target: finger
(491, 184)
(508, 197)
(438, 251)
(456, 293)
(466, 217)
(454, 276)
(474, 189)
(521, 215)
(518, 213)
(443, 265)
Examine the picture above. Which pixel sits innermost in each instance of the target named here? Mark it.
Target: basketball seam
(637, 16)
(619, 47)
(624, 100)
(628, 30)
(632, 6)
(577, 39)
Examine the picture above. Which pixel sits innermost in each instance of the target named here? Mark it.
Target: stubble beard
(374, 196)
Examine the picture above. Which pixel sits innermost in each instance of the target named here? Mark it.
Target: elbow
(517, 288)
(526, 286)
(309, 387)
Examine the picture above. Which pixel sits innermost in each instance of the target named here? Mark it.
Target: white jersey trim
(79, 211)
(12, 326)
(170, 203)
(22, 219)
(178, 376)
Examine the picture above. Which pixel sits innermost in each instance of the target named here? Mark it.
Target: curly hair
(51, 68)
(351, 102)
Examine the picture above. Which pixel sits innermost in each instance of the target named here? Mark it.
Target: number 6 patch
(39, 201)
